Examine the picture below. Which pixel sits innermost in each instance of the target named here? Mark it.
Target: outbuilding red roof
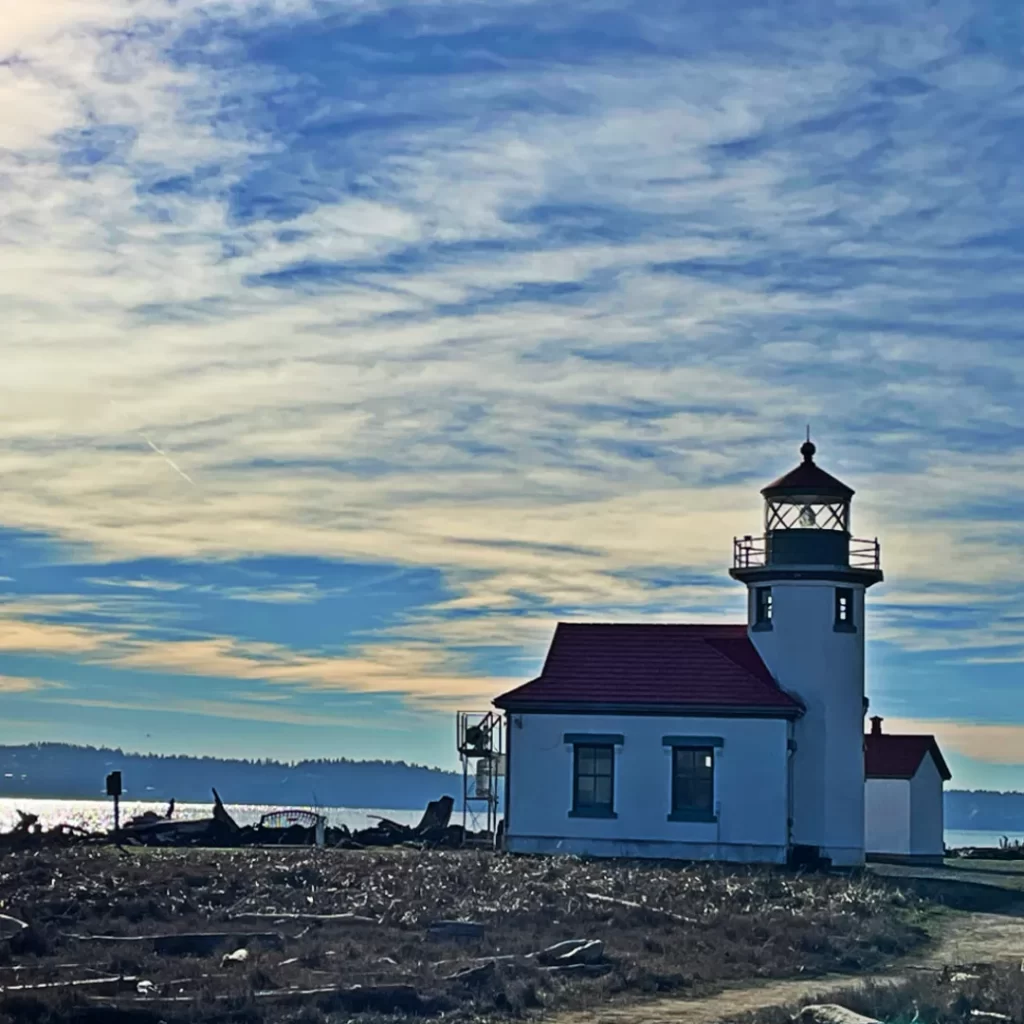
(891, 756)
(687, 667)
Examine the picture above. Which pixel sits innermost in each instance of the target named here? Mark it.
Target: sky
(347, 347)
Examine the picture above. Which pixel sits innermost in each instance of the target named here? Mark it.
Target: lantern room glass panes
(808, 513)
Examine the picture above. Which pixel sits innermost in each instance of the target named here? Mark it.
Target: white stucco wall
(887, 816)
(750, 789)
(926, 816)
(825, 668)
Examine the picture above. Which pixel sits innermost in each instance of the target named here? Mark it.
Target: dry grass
(696, 927)
(963, 995)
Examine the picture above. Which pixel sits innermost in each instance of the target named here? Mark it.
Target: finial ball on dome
(807, 450)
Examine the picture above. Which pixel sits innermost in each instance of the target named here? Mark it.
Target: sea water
(98, 815)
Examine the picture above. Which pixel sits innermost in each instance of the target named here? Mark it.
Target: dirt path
(966, 938)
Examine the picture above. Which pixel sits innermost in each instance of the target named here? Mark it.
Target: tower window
(763, 607)
(844, 608)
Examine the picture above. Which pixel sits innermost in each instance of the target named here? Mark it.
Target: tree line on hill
(65, 771)
(985, 809)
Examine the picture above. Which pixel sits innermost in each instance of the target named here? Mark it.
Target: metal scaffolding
(481, 745)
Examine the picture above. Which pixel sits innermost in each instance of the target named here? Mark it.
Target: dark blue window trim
(692, 741)
(708, 816)
(592, 812)
(595, 739)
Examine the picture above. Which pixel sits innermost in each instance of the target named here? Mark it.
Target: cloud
(989, 741)
(238, 710)
(21, 684)
(540, 316)
(51, 638)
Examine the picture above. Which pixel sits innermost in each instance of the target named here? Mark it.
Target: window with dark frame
(844, 608)
(593, 787)
(693, 780)
(763, 606)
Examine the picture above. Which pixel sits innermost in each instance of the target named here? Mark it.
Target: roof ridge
(654, 625)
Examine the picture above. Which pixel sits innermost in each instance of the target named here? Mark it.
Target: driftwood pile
(220, 830)
(1008, 849)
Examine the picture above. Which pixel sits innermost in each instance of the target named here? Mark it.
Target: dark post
(114, 790)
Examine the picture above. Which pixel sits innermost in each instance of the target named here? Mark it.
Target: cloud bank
(534, 297)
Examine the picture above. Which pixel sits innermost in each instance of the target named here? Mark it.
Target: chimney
(876, 725)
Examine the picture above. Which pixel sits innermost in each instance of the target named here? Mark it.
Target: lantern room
(806, 523)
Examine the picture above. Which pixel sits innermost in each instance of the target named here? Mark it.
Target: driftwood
(354, 998)
(571, 952)
(11, 926)
(115, 984)
(631, 905)
(589, 970)
(221, 816)
(456, 930)
(831, 1013)
(184, 943)
(475, 974)
(221, 830)
(285, 915)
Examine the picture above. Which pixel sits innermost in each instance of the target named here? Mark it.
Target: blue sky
(349, 346)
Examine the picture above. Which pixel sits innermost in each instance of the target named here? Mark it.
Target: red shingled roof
(889, 756)
(690, 667)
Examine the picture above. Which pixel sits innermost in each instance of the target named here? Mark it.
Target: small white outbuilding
(903, 812)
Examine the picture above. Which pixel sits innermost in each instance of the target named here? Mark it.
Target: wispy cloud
(990, 741)
(536, 297)
(20, 684)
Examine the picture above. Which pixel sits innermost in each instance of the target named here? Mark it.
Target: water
(98, 815)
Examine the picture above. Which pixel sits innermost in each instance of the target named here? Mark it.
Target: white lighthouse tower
(807, 580)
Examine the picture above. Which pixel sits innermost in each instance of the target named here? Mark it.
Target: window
(844, 608)
(593, 787)
(693, 783)
(763, 607)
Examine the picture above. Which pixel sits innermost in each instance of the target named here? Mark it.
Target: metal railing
(865, 554)
(752, 553)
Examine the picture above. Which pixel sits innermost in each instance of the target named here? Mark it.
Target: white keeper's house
(714, 742)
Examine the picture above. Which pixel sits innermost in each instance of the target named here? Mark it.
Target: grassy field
(658, 928)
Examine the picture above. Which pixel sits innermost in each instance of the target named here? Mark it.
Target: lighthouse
(807, 579)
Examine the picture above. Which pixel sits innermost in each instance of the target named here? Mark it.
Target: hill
(64, 771)
(985, 809)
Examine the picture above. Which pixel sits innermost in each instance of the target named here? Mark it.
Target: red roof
(689, 667)
(888, 756)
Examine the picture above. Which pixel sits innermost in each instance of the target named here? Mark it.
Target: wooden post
(114, 790)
